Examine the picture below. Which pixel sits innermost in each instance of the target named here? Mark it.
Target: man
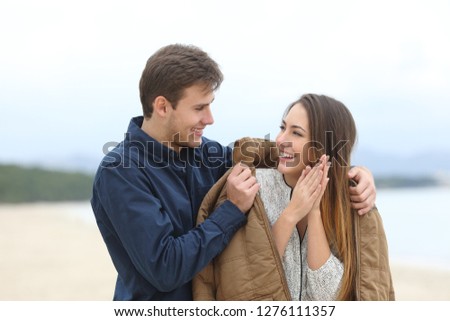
(148, 189)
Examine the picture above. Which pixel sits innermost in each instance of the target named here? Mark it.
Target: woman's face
(292, 143)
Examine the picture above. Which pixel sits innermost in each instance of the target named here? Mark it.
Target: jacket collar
(255, 152)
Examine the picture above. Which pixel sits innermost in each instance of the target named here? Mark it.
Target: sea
(417, 225)
(416, 221)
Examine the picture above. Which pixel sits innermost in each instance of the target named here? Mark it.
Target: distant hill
(31, 184)
(404, 181)
(430, 163)
(73, 182)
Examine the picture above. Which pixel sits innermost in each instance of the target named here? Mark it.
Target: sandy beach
(48, 252)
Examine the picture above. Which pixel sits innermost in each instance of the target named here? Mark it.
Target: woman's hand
(323, 183)
(306, 192)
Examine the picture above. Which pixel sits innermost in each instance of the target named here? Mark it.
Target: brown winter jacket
(250, 267)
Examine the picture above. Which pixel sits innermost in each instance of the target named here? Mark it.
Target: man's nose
(208, 118)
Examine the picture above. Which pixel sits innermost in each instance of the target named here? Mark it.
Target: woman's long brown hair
(333, 132)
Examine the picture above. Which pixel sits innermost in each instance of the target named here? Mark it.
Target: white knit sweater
(322, 284)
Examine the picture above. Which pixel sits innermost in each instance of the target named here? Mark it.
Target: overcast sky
(69, 70)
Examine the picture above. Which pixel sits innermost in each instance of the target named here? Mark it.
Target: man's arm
(362, 195)
(146, 233)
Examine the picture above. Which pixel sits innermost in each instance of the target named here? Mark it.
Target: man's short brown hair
(172, 69)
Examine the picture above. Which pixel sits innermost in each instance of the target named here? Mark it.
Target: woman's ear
(160, 106)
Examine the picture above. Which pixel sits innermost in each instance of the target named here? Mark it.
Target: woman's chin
(281, 168)
(287, 169)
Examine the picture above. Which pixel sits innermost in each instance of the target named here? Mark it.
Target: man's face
(191, 116)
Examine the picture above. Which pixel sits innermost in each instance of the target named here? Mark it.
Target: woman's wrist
(315, 214)
(289, 216)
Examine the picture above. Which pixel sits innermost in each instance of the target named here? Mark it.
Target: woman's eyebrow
(299, 127)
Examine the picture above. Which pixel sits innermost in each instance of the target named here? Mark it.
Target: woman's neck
(290, 181)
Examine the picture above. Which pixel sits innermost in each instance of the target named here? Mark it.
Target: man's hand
(362, 195)
(242, 187)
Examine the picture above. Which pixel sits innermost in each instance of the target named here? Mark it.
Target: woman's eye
(297, 134)
(282, 127)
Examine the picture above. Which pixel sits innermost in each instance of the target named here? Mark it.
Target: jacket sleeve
(166, 261)
(374, 277)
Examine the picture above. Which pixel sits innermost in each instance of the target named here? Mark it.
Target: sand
(49, 253)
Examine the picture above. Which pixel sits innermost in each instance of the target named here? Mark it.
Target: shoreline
(54, 251)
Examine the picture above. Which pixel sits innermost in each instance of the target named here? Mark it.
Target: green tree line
(22, 184)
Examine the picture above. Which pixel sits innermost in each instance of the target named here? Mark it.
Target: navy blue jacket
(145, 200)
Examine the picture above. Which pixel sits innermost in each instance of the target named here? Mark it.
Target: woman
(302, 239)
(320, 212)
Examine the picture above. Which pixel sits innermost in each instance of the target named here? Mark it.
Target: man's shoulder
(120, 159)
(114, 157)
